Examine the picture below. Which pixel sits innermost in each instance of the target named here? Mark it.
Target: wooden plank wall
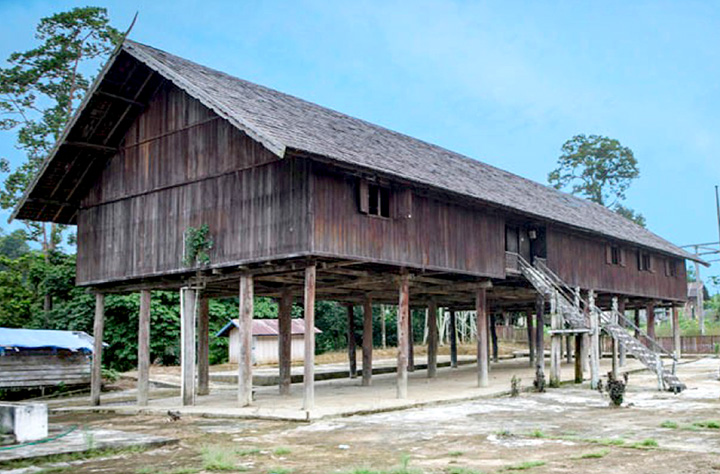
(40, 369)
(181, 167)
(581, 261)
(438, 235)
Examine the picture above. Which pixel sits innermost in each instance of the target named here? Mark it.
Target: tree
(39, 92)
(599, 169)
(14, 244)
(630, 214)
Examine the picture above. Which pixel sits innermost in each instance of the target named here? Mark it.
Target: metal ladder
(571, 306)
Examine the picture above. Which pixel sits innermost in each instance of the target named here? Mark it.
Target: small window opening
(644, 262)
(374, 200)
(672, 268)
(615, 256)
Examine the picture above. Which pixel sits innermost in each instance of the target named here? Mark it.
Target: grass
(455, 453)
(710, 424)
(68, 457)
(524, 466)
(462, 470)
(219, 458)
(608, 441)
(403, 468)
(646, 443)
(248, 452)
(279, 470)
(504, 433)
(596, 455)
(669, 424)
(537, 434)
(281, 451)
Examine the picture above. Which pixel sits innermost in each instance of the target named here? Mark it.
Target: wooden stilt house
(302, 202)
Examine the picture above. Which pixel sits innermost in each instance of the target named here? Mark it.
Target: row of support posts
(195, 313)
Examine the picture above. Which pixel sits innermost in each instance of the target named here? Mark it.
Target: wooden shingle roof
(287, 124)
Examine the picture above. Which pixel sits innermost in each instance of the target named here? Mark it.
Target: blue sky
(504, 82)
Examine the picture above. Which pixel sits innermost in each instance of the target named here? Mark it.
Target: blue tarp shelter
(45, 338)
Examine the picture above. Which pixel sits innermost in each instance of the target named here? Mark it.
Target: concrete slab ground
(79, 440)
(345, 397)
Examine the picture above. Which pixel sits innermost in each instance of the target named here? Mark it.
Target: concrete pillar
(96, 374)
(143, 380)
(203, 354)
(615, 342)
(432, 340)
(188, 308)
(285, 341)
(622, 357)
(676, 332)
(245, 321)
(482, 336)
(650, 309)
(594, 343)
(453, 339)
(555, 343)
(402, 335)
(367, 342)
(309, 372)
(351, 344)
(540, 339)
(531, 336)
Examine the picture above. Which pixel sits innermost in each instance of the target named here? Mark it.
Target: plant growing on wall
(197, 246)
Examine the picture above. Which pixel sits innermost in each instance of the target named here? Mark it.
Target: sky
(505, 82)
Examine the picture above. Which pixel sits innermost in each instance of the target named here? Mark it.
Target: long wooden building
(301, 201)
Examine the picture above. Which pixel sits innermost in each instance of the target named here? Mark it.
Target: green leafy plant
(197, 245)
(669, 424)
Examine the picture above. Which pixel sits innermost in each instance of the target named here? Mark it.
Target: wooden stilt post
(411, 342)
(540, 342)
(402, 335)
(453, 339)
(285, 341)
(309, 373)
(352, 355)
(555, 343)
(637, 323)
(650, 309)
(494, 339)
(531, 336)
(594, 343)
(367, 348)
(568, 349)
(676, 332)
(188, 308)
(432, 340)
(615, 343)
(246, 309)
(578, 359)
(96, 375)
(482, 336)
(623, 350)
(143, 381)
(203, 354)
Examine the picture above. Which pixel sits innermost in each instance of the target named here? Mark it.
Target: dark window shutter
(364, 196)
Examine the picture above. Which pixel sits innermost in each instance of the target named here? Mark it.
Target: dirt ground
(570, 429)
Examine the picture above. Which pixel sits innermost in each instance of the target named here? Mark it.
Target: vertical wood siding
(188, 169)
(438, 235)
(582, 261)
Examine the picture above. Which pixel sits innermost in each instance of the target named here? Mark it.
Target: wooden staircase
(573, 308)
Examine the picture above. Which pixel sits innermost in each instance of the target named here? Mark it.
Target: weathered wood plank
(143, 380)
(309, 362)
(96, 381)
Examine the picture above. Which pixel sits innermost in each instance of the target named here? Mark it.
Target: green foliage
(596, 167)
(596, 455)
(40, 89)
(669, 424)
(219, 458)
(111, 375)
(523, 466)
(630, 214)
(197, 245)
(14, 244)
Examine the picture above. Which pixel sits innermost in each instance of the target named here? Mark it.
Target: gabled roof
(265, 327)
(45, 339)
(287, 124)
